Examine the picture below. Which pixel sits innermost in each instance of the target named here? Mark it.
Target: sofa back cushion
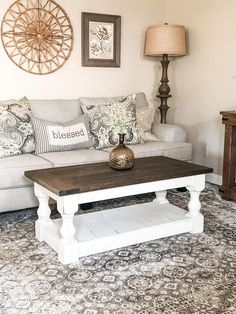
(56, 110)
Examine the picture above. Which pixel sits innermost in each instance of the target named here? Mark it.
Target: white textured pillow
(145, 118)
(58, 136)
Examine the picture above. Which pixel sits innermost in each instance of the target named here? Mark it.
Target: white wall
(136, 73)
(204, 81)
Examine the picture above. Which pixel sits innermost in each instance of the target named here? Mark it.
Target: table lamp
(165, 40)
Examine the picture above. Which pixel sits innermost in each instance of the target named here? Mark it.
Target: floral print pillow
(16, 131)
(108, 120)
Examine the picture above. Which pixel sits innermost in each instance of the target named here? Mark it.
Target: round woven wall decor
(37, 35)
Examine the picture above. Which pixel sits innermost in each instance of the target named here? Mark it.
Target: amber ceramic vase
(121, 157)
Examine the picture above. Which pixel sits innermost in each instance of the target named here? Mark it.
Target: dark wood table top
(91, 177)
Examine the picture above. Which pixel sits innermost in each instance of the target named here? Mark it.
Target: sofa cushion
(177, 150)
(16, 131)
(57, 110)
(141, 100)
(108, 120)
(58, 136)
(76, 157)
(19, 198)
(12, 169)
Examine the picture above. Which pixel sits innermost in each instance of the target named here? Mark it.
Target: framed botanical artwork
(100, 40)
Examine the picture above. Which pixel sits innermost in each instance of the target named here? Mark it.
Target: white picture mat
(101, 38)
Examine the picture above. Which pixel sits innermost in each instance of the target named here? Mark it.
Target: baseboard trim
(214, 178)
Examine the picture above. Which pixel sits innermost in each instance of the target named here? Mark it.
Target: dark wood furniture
(91, 177)
(228, 187)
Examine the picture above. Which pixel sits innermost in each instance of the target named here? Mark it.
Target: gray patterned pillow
(58, 136)
(16, 131)
(110, 119)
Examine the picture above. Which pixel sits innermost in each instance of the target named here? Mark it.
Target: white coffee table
(85, 234)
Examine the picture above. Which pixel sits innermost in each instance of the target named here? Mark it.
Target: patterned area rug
(181, 274)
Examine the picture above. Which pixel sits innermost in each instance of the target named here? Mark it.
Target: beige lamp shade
(165, 39)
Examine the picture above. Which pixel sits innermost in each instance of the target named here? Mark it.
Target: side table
(228, 187)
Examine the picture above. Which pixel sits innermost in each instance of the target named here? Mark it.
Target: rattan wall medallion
(37, 35)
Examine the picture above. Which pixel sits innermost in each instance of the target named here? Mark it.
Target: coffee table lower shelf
(119, 227)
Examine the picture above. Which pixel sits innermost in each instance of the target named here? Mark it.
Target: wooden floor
(118, 227)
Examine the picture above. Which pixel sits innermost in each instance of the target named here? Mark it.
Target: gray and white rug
(181, 274)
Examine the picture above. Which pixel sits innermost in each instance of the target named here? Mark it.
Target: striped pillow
(57, 136)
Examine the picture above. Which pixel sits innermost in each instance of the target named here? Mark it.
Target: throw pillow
(110, 119)
(145, 118)
(140, 100)
(58, 136)
(16, 131)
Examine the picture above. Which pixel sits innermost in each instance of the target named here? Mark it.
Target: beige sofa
(16, 191)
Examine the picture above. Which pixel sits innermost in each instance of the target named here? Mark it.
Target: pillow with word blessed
(57, 136)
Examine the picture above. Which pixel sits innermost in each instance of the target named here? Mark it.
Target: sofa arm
(169, 132)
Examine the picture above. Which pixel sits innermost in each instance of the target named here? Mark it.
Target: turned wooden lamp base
(164, 89)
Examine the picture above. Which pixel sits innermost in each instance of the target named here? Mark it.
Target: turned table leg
(161, 197)
(194, 204)
(68, 245)
(43, 212)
